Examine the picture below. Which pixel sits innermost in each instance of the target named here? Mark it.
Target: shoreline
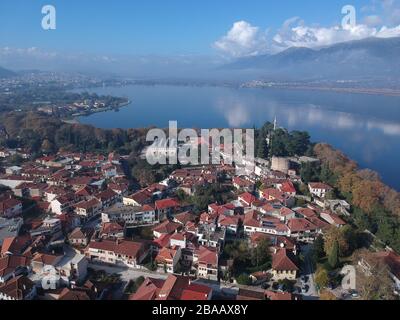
(349, 90)
(75, 116)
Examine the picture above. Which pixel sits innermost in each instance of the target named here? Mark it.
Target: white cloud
(243, 39)
(295, 34)
(246, 40)
(380, 18)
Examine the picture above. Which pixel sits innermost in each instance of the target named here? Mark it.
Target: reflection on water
(365, 127)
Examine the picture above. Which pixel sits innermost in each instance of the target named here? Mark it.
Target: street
(308, 271)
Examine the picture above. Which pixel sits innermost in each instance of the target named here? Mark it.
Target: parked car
(305, 289)
(354, 294)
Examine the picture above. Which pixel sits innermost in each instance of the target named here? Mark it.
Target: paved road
(312, 293)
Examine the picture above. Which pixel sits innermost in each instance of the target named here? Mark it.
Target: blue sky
(171, 36)
(152, 26)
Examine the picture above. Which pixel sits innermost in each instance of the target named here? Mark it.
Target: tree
(327, 175)
(343, 236)
(134, 285)
(318, 249)
(262, 148)
(260, 256)
(322, 277)
(309, 172)
(333, 258)
(244, 280)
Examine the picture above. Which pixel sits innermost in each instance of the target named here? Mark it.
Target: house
(80, 182)
(285, 214)
(306, 212)
(119, 188)
(10, 207)
(118, 252)
(12, 266)
(166, 208)
(288, 188)
(80, 237)
(107, 198)
(112, 230)
(30, 190)
(18, 288)
(109, 170)
(230, 223)
(73, 267)
(88, 209)
(15, 245)
(167, 259)
(69, 267)
(333, 219)
(247, 199)
(12, 181)
(205, 260)
(283, 266)
(138, 199)
(62, 204)
(49, 226)
(210, 235)
(9, 228)
(242, 184)
(272, 194)
(303, 229)
(319, 189)
(132, 215)
(167, 227)
(254, 223)
(185, 217)
(173, 288)
(41, 260)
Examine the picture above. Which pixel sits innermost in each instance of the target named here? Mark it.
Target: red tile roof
(207, 256)
(17, 288)
(320, 185)
(123, 247)
(173, 288)
(167, 227)
(166, 204)
(283, 261)
(247, 198)
(301, 225)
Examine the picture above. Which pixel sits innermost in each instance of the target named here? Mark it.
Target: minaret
(275, 124)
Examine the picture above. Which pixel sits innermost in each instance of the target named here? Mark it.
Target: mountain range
(371, 57)
(5, 73)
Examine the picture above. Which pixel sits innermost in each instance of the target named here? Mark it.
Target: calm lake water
(365, 127)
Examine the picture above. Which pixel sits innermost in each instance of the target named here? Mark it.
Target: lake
(365, 127)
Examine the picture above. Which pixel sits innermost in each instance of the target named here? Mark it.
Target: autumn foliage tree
(375, 206)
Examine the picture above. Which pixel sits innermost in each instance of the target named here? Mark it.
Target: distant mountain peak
(5, 73)
(353, 59)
